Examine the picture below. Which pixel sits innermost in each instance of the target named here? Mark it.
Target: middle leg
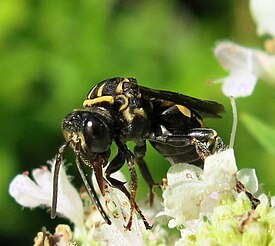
(139, 152)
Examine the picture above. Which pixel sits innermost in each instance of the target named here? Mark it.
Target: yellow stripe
(185, 111)
(125, 80)
(125, 104)
(119, 88)
(165, 103)
(91, 102)
(100, 90)
(91, 92)
(140, 112)
(128, 116)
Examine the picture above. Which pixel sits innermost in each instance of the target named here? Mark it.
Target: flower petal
(182, 201)
(29, 193)
(239, 84)
(182, 172)
(263, 14)
(272, 201)
(249, 179)
(233, 57)
(220, 170)
(240, 62)
(183, 194)
(42, 176)
(264, 66)
(26, 192)
(116, 235)
(245, 66)
(69, 202)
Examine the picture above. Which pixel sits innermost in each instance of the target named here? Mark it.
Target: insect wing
(204, 108)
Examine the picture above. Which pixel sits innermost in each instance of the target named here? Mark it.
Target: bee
(119, 110)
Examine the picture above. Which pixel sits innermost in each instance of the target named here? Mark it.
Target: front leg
(114, 166)
(134, 180)
(90, 189)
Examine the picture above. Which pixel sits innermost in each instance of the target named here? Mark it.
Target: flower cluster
(192, 192)
(202, 203)
(233, 223)
(207, 208)
(89, 226)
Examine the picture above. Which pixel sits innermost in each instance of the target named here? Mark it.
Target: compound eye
(97, 135)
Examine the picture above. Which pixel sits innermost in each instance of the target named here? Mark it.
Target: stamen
(235, 122)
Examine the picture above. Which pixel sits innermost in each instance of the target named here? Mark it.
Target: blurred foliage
(256, 126)
(53, 52)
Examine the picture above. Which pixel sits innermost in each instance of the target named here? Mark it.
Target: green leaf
(262, 132)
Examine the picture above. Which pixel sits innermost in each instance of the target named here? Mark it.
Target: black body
(120, 110)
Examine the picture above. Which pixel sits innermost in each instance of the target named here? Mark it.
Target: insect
(119, 110)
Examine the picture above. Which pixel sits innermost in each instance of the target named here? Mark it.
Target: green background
(52, 52)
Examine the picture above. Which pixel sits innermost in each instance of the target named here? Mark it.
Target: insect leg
(208, 135)
(90, 188)
(205, 140)
(179, 140)
(134, 181)
(115, 165)
(253, 200)
(139, 152)
(58, 161)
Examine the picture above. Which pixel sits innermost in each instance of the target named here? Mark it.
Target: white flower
(38, 192)
(263, 12)
(157, 236)
(192, 191)
(220, 170)
(116, 234)
(117, 206)
(191, 228)
(182, 197)
(272, 201)
(245, 66)
(150, 211)
(249, 179)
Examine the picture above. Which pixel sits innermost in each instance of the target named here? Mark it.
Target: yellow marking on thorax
(100, 90)
(185, 111)
(91, 102)
(125, 104)
(128, 115)
(165, 103)
(91, 92)
(119, 88)
(125, 80)
(140, 112)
